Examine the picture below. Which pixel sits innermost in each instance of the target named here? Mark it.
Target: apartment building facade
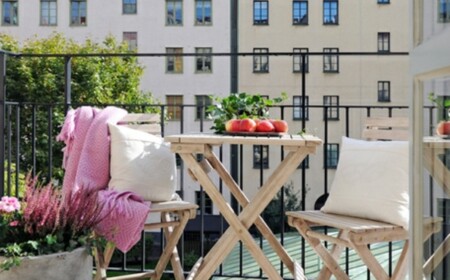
(291, 29)
(281, 33)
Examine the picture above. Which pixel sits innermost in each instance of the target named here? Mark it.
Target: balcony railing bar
(15, 111)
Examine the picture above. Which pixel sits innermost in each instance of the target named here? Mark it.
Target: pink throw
(86, 163)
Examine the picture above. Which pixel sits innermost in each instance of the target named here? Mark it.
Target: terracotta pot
(75, 265)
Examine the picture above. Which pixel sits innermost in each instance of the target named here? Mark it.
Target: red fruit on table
(264, 126)
(280, 125)
(232, 125)
(443, 128)
(247, 125)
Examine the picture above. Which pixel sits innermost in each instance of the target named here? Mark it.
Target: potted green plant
(240, 106)
(443, 108)
(49, 230)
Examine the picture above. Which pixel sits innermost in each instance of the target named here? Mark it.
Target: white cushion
(141, 163)
(371, 181)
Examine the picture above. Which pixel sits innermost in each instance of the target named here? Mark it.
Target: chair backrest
(147, 122)
(386, 128)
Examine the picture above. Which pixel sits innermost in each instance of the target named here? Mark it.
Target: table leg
(250, 213)
(244, 201)
(236, 231)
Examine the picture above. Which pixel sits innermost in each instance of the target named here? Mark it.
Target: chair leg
(170, 252)
(331, 265)
(372, 264)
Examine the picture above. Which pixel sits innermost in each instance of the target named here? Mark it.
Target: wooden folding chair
(173, 217)
(357, 233)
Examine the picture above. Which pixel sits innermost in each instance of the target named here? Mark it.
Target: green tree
(273, 214)
(96, 80)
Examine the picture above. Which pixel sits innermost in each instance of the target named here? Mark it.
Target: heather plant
(47, 221)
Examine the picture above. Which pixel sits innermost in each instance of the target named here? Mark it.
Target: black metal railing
(24, 152)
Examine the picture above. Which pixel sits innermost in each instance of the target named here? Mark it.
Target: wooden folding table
(434, 161)
(297, 148)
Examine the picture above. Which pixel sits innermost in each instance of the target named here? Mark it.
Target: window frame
(263, 19)
(203, 56)
(202, 101)
(305, 162)
(301, 20)
(443, 11)
(131, 42)
(332, 155)
(203, 16)
(331, 113)
(384, 91)
(79, 17)
(176, 60)
(207, 202)
(297, 60)
(333, 58)
(297, 112)
(174, 104)
(265, 157)
(384, 42)
(328, 12)
(261, 60)
(176, 4)
(13, 11)
(129, 7)
(47, 15)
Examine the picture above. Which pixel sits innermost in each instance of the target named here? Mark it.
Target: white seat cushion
(371, 181)
(142, 163)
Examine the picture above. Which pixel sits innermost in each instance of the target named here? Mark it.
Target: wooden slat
(216, 139)
(386, 128)
(316, 217)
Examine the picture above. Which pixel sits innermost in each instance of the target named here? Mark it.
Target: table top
(219, 139)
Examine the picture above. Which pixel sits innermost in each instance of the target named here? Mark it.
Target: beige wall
(356, 82)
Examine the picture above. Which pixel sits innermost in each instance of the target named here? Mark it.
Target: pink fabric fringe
(86, 163)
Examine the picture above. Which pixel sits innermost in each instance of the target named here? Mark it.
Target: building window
(260, 12)
(384, 41)
(129, 7)
(297, 110)
(174, 12)
(444, 11)
(260, 60)
(332, 154)
(78, 9)
(331, 60)
(131, 39)
(304, 163)
(298, 60)
(384, 91)
(331, 107)
(202, 102)
(260, 154)
(383, 1)
(174, 104)
(48, 12)
(330, 12)
(10, 12)
(300, 12)
(202, 199)
(203, 60)
(174, 63)
(203, 15)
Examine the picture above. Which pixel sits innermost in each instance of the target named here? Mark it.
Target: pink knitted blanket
(86, 163)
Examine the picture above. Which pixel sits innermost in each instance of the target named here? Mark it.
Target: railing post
(2, 119)
(67, 82)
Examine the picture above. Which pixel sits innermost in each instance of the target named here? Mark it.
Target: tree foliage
(34, 75)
